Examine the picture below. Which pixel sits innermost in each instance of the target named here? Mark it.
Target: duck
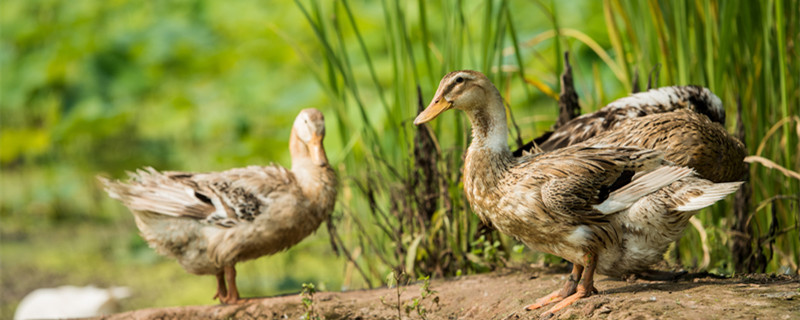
(614, 116)
(210, 221)
(610, 210)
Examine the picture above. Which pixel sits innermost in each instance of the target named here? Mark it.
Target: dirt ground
(503, 295)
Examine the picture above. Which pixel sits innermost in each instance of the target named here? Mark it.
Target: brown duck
(612, 210)
(211, 221)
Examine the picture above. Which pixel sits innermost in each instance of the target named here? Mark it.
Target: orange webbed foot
(581, 293)
(543, 301)
(230, 300)
(558, 295)
(573, 290)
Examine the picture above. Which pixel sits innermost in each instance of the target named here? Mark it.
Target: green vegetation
(420, 305)
(308, 302)
(102, 87)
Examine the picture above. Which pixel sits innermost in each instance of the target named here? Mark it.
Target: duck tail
(155, 192)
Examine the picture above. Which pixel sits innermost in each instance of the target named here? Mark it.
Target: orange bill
(433, 110)
(318, 154)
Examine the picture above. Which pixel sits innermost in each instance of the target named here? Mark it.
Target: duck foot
(543, 301)
(569, 288)
(579, 285)
(581, 293)
(231, 300)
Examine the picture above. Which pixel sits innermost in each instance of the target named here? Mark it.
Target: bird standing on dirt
(611, 210)
(211, 221)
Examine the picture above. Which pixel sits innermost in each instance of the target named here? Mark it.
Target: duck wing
(585, 184)
(687, 139)
(667, 99)
(222, 198)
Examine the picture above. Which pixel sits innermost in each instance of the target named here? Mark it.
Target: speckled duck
(611, 210)
(210, 221)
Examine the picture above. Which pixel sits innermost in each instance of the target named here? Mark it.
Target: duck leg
(585, 287)
(222, 290)
(233, 293)
(569, 288)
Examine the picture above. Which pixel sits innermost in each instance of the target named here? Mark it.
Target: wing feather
(222, 198)
(576, 179)
(654, 101)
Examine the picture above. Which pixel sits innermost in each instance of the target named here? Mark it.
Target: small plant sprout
(416, 304)
(308, 302)
(393, 279)
(425, 292)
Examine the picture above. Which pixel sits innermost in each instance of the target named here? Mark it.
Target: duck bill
(318, 155)
(433, 110)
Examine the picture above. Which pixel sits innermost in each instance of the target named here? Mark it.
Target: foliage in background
(103, 87)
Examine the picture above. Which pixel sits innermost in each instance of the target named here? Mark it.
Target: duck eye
(459, 80)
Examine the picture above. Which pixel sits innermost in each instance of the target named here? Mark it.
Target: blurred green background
(100, 87)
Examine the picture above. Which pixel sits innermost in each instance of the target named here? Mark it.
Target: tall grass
(405, 208)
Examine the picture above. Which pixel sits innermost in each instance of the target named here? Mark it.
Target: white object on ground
(70, 302)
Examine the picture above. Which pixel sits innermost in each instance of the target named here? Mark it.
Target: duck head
(465, 90)
(308, 132)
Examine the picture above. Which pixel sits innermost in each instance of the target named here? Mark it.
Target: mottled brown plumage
(687, 138)
(210, 221)
(608, 209)
(614, 116)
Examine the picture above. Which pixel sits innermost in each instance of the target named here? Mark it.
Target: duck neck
(318, 183)
(490, 128)
(488, 156)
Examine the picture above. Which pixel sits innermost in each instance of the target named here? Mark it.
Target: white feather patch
(711, 194)
(579, 236)
(716, 102)
(659, 96)
(642, 186)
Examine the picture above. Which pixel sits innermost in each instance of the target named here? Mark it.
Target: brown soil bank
(502, 295)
